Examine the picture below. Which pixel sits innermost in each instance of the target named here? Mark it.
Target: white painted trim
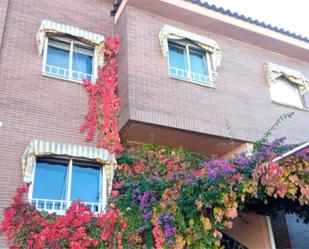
(69, 183)
(187, 47)
(210, 66)
(104, 190)
(120, 10)
(45, 55)
(270, 233)
(71, 52)
(30, 192)
(188, 61)
(298, 148)
(71, 60)
(94, 66)
(228, 20)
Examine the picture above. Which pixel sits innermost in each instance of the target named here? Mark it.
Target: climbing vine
(103, 104)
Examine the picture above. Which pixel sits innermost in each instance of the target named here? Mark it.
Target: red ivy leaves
(104, 104)
(79, 228)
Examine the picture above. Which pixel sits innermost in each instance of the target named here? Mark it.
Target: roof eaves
(248, 19)
(234, 15)
(115, 7)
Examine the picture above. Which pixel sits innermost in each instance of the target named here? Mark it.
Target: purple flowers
(145, 200)
(147, 216)
(168, 224)
(303, 153)
(216, 166)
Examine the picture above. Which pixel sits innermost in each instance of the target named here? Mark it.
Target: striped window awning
(38, 148)
(172, 33)
(274, 71)
(49, 28)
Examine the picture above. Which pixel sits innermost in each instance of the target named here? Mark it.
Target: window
(188, 62)
(287, 86)
(68, 59)
(58, 181)
(191, 57)
(285, 92)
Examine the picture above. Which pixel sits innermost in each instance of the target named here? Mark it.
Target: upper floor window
(68, 52)
(62, 173)
(189, 62)
(286, 86)
(191, 57)
(68, 59)
(285, 92)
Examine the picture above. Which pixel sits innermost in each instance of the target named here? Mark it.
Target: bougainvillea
(103, 104)
(169, 198)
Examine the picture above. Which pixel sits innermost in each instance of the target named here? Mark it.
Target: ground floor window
(57, 182)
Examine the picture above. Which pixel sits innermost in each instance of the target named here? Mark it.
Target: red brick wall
(122, 59)
(31, 105)
(241, 95)
(280, 231)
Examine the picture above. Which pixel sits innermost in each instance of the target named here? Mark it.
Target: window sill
(291, 106)
(64, 79)
(194, 82)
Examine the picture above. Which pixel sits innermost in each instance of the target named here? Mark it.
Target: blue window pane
(58, 57)
(86, 182)
(82, 65)
(177, 61)
(50, 180)
(198, 65)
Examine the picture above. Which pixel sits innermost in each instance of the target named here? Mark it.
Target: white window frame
(283, 102)
(71, 44)
(189, 78)
(103, 189)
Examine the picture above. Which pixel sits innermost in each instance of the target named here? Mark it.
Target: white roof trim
(286, 154)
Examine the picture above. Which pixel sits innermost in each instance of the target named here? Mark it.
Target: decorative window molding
(170, 33)
(274, 72)
(38, 150)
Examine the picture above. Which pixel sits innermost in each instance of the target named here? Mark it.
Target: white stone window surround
(212, 51)
(287, 86)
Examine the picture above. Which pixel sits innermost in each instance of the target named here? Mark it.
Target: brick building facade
(154, 106)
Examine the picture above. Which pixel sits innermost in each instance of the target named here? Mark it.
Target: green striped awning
(44, 148)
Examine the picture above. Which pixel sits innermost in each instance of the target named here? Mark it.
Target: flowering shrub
(176, 200)
(169, 198)
(103, 104)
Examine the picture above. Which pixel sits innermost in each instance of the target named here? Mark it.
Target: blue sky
(292, 15)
